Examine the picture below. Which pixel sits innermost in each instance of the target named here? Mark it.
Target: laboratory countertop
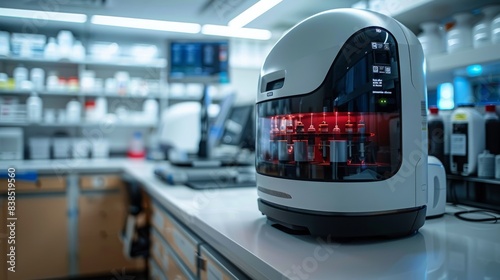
(229, 220)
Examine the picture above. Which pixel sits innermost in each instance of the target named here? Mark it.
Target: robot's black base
(386, 224)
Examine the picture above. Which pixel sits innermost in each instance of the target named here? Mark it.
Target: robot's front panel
(348, 129)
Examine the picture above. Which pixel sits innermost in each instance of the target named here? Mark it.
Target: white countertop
(229, 220)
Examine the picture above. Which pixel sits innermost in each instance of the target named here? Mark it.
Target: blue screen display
(196, 61)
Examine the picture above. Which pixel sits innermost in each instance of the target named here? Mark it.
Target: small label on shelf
(458, 145)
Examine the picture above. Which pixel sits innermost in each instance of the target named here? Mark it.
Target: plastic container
(51, 50)
(65, 41)
(100, 148)
(61, 147)
(150, 109)
(34, 107)
(446, 116)
(486, 165)
(467, 140)
(435, 134)
(90, 111)
(492, 126)
(78, 51)
(37, 76)
(481, 32)
(39, 147)
(52, 81)
(101, 107)
(136, 148)
(430, 39)
(80, 148)
(495, 29)
(4, 43)
(73, 111)
(122, 79)
(497, 167)
(87, 81)
(459, 37)
(20, 75)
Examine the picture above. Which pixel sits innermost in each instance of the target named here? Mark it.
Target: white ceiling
(279, 19)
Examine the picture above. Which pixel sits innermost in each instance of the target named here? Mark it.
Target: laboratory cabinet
(102, 212)
(177, 253)
(176, 238)
(215, 266)
(40, 232)
(66, 226)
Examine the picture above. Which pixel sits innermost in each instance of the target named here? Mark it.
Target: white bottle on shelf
(34, 108)
(20, 76)
(78, 51)
(37, 76)
(101, 107)
(485, 165)
(481, 32)
(495, 29)
(51, 49)
(459, 37)
(430, 38)
(150, 110)
(52, 81)
(467, 140)
(4, 43)
(65, 41)
(73, 111)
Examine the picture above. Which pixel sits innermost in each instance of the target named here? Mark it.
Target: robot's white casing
(303, 56)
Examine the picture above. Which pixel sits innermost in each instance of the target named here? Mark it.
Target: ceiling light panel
(227, 31)
(160, 25)
(253, 12)
(43, 15)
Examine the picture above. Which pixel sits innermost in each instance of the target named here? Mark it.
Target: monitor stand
(203, 146)
(204, 157)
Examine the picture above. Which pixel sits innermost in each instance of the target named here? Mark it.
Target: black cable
(461, 215)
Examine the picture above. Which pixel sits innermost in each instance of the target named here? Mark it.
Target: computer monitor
(239, 128)
(198, 61)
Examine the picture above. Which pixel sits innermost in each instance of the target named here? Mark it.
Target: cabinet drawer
(101, 182)
(166, 259)
(176, 269)
(216, 267)
(103, 253)
(158, 252)
(102, 211)
(182, 241)
(41, 238)
(44, 183)
(155, 272)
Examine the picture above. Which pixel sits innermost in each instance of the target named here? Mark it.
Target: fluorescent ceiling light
(43, 15)
(253, 12)
(227, 31)
(150, 24)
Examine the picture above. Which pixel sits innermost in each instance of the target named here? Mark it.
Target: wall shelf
(80, 124)
(474, 179)
(115, 62)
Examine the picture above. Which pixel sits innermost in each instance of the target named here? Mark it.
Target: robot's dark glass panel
(348, 129)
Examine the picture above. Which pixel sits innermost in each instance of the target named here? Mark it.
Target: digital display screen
(198, 61)
(382, 57)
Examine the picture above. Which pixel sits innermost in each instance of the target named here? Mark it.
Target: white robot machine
(341, 128)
